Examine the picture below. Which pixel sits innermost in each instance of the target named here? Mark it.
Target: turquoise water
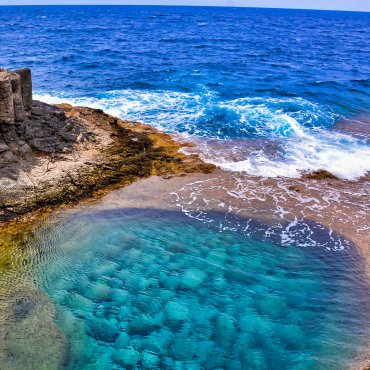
(157, 290)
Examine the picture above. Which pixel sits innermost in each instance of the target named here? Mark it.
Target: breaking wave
(297, 134)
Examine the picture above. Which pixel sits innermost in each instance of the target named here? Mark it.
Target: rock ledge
(51, 155)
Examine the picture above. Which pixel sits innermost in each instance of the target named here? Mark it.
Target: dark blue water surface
(225, 73)
(320, 56)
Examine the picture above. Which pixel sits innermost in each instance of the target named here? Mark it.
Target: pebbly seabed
(132, 281)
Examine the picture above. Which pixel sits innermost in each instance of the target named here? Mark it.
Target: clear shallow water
(159, 290)
(285, 76)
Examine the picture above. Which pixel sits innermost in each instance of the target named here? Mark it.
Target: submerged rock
(225, 330)
(104, 330)
(158, 341)
(176, 311)
(99, 292)
(120, 297)
(292, 337)
(112, 251)
(149, 360)
(145, 324)
(27, 320)
(108, 269)
(192, 278)
(273, 307)
(126, 356)
(122, 341)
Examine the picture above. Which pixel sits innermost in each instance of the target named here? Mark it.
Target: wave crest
(299, 131)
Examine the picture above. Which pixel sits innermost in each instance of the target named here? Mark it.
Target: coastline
(129, 165)
(184, 188)
(114, 153)
(166, 184)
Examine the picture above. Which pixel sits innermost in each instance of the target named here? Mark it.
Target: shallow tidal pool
(144, 289)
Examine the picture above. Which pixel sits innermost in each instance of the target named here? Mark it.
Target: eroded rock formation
(29, 128)
(57, 154)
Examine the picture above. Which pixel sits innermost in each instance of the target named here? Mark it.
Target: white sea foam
(342, 155)
(165, 110)
(301, 128)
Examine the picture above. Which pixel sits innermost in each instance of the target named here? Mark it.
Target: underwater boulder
(120, 297)
(192, 278)
(104, 330)
(233, 365)
(247, 321)
(204, 351)
(184, 346)
(99, 292)
(292, 337)
(217, 257)
(126, 356)
(274, 307)
(77, 302)
(133, 255)
(122, 341)
(225, 330)
(145, 324)
(158, 341)
(149, 360)
(169, 281)
(176, 311)
(108, 269)
(113, 251)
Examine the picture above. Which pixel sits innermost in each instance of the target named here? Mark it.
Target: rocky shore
(52, 155)
(56, 155)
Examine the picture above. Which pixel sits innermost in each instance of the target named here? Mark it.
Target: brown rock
(26, 87)
(320, 175)
(6, 99)
(19, 113)
(51, 155)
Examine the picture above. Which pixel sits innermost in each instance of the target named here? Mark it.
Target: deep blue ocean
(271, 93)
(257, 77)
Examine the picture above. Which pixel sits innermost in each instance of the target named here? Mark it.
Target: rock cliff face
(28, 128)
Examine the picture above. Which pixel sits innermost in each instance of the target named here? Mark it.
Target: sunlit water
(265, 92)
(285, 76)
(148, 289)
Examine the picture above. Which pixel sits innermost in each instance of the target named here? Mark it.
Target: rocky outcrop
(15, 95)
(28, 128)
(56, 154)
